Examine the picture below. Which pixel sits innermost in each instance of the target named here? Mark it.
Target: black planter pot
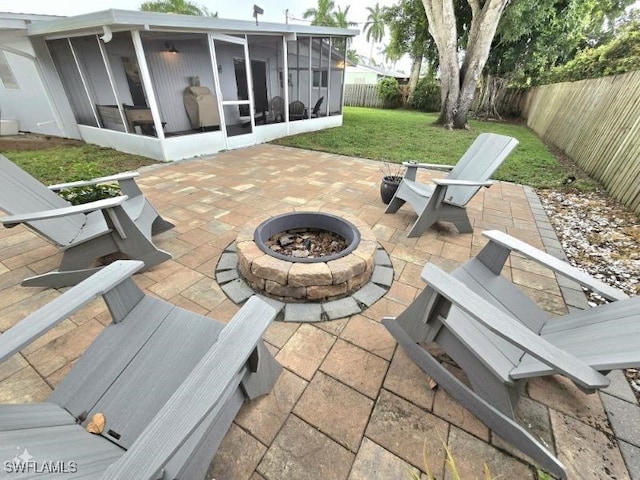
(388, 187)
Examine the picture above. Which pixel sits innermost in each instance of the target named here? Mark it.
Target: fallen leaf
(97, 423)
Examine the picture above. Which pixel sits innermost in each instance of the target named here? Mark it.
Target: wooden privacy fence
(361, 95)
(596, 123)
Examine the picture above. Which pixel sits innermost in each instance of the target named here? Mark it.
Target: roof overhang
(20, 21)
(119, 20)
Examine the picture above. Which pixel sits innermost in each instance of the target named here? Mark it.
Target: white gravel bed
(602, 237)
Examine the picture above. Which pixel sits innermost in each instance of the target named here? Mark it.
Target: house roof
(131, 19)
(20, 21)
(380, 71)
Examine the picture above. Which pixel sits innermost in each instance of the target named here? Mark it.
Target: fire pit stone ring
(307, 289)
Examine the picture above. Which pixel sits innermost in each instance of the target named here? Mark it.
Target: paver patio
(349, 403)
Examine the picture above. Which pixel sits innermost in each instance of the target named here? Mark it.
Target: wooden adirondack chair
(448, 199)
(316, 108)
(296, 110)
(168, 382)
(86, 232)
(500, 337)
(276, 109)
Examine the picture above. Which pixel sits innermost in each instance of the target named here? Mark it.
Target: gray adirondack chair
(447, 201)
(501, 338)
(86, 232)
(169, 383)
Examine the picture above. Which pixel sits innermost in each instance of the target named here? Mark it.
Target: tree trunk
(442, 27)
(415, 75)
(459, 83)
(492, 92)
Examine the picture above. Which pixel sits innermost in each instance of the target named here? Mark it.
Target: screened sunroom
(174, 86)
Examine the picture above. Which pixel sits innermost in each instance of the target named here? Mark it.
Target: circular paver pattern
(307, 292)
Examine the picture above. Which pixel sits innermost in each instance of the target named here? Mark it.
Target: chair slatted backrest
(134, 366)
(20, 193)
(296, 109)
(479, 162)
(316, 107)
(276, 107)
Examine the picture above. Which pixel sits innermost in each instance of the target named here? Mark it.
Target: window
(6, 75)
(320, 78)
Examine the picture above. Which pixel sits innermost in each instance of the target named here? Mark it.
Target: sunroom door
(236, 103)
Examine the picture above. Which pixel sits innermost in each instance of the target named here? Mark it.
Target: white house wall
(314, 124)
(269, 50)
(89, 55)
(149, 147)
(120, 46)
(170, 75)
(75, 90)
(30, 103)
(225, 55)
(355, 75)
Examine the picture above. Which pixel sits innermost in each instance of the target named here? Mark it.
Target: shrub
(90, 193)
(619, 56)
(389, 91)
(426, 96)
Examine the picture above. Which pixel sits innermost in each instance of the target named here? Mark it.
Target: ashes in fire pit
(314, 232)
(307, 243)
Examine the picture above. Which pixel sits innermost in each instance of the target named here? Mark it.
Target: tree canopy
(499, 42)
(323, 15)
(459, 80)
(620, 55)
(374, 28)
(536, 35)
(183, 7)
(408, 29)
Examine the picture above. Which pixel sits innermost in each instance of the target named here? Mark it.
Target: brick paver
(349, 403)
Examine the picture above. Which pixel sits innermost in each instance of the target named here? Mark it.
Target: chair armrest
(510, 329)
(558, 266)
(13, 220)
(431, 166)
(460, 183)
(412, 168)
(203, 392)
(47, 317)
(95, 181)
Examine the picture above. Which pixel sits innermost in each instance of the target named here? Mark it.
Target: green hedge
(426, 96)
(621, 55)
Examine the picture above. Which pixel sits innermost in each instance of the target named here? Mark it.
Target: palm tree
(374, 27)
(323, 15)
(175, 6)
(340, 18)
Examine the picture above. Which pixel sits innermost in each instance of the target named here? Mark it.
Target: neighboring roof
(20, 21)
(131, 19)
(380, 71)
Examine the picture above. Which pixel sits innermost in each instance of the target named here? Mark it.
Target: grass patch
(401, 135)
(377, 134)
(69, 163)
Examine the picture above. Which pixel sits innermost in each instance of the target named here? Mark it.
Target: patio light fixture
(257, 11)
(171, 48)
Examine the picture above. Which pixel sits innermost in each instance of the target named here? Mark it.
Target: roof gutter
(136, 20)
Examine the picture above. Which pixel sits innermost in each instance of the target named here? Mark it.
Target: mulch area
(601, 236)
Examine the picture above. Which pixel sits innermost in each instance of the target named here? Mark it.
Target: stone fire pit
(310, 289)
(293, 279)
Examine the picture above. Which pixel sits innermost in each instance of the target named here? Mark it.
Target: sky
(274, 11)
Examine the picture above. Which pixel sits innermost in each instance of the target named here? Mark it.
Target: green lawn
(79, 161)
(391, 135)
(401, 135)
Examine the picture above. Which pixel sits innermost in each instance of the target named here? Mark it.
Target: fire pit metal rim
(318, 220)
